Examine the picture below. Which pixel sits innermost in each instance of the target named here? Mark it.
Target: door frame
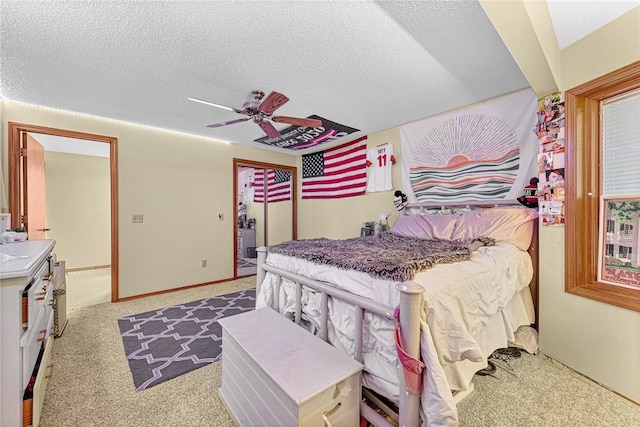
(15, 132)
(294, 207)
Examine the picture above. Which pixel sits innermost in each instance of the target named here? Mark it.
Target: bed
(452, 315)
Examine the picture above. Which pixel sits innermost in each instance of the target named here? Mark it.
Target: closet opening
(265, 210)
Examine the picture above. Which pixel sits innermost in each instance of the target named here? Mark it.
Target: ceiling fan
(260, 111)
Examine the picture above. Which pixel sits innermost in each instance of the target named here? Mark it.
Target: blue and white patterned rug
(162, 344)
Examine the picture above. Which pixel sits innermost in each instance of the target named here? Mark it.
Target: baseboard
(95, 267)
(166, 291)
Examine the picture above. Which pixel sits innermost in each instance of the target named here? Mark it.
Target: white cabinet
(246, 240)
(26, 313)
(275, 373)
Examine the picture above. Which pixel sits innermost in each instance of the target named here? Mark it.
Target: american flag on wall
(278, 185)
(337, 172)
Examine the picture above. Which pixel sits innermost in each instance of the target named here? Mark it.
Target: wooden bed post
(260, 274)
(410, 310)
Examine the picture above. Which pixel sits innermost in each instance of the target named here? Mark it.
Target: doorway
(19, 189)
(265, 210)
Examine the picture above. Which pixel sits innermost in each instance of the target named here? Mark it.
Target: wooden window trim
(583, 183)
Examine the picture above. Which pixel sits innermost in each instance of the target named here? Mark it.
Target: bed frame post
(260, 274)
(410, 310)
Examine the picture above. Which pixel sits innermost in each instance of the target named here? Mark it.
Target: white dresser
(275, 373)
(26, 299)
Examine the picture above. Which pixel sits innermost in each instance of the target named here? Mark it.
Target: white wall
(280, 220)
(78, 208)
(179, 183)
(597, 339)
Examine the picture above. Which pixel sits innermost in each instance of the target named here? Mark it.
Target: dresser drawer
(50, 320)
(35, 296)
(34, 395)
(32, 343)
(44, 372)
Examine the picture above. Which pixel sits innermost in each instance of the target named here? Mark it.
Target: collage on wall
(550, 131)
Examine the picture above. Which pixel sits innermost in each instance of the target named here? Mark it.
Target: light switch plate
(137, 218)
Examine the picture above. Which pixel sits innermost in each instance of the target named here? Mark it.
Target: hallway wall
(78, 208)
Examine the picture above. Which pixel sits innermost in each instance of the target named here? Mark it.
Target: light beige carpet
(91, 383)
(545, 393)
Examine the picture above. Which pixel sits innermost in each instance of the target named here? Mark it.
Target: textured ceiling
(367, 65)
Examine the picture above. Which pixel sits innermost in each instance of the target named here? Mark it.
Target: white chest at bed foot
(275, 373)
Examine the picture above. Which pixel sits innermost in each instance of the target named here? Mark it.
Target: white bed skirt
(454, 345)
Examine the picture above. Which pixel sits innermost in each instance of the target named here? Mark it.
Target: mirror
(265, 210)
(279, 208)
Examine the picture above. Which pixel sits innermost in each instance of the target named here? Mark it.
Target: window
(623, 251)
(611, 226)
(589, 177)
(626, 229)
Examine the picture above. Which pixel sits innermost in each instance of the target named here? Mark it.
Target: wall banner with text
(299, 137)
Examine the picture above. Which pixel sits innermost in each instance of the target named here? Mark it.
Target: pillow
(513, 225)
(425, 226)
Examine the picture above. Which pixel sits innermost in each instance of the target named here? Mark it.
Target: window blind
(621, 145)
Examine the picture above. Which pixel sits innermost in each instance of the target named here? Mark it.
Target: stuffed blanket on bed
(385, 256)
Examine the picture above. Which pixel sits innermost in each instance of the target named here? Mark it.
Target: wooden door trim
(294, 192)
(33, 188)
(14, 132)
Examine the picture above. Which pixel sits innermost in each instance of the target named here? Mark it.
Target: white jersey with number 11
(380, 161)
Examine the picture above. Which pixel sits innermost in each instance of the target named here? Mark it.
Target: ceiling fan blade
(224, 107)
(269, 129)
(230, 122)
(297, 121)
(272, 102)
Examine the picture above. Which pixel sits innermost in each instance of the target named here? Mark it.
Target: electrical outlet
(220, 217)
(204, 263)
(136, 218)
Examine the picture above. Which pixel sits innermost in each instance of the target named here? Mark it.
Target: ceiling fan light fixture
(259, 108)
(253, 100)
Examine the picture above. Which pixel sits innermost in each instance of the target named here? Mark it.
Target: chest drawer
(338, 403)
(35, 296)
